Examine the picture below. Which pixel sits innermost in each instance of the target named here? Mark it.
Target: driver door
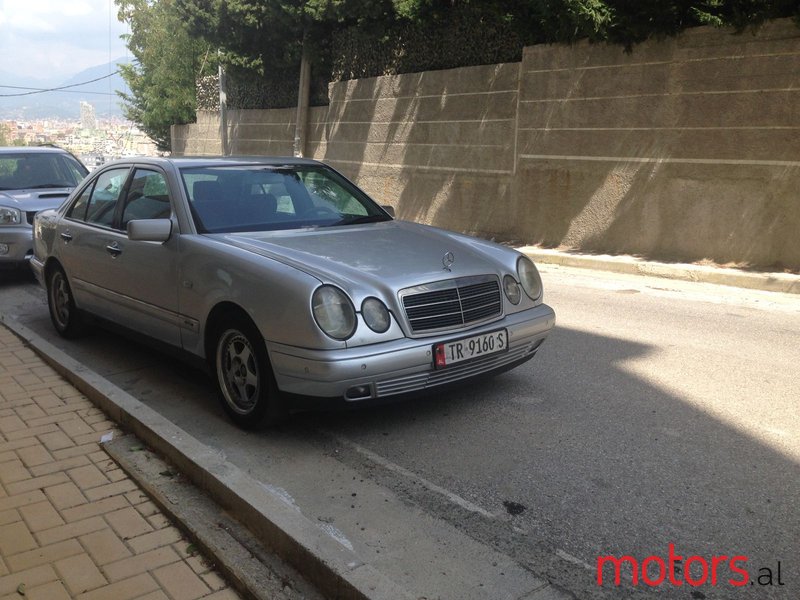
(143, 276)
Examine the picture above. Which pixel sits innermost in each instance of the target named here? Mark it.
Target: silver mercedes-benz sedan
(288, 279)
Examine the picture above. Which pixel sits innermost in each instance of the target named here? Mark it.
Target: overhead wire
(18, 87)
(55, 89)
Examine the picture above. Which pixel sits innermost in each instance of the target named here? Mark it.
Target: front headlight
(333, 312)
(10, 216)
(376, 315)
(529, 278)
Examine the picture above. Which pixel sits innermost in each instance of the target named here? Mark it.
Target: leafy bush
(261, 41)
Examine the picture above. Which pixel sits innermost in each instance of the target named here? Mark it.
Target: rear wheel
(244, 376)
(65, 316)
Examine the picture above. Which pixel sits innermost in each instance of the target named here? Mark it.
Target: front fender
(277, 297)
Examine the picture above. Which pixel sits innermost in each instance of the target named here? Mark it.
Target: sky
(55, 39)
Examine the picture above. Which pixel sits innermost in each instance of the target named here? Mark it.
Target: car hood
(393, 255)
(34, 200)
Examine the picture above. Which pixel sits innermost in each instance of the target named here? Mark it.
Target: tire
(65, 316)
(244, 376)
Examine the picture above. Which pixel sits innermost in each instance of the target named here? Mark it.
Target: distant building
(88, 119)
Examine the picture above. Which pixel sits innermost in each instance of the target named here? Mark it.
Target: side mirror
(149, 230)
(389, 209)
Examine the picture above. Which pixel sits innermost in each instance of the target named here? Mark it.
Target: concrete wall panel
(671, 110)
(682, 149)
(712, 75)
(712, 144)
(664, 210)
(491, 78)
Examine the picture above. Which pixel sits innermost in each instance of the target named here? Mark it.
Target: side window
(78, 208)
(147, 197)
(106, 193)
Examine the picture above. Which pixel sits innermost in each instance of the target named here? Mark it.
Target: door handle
(66, 236)
(114, 250)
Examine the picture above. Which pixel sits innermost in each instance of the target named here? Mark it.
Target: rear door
(85, 233)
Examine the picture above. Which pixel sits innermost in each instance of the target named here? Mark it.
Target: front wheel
(244, 376)
(63, 313)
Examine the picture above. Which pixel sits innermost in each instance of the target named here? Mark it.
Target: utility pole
(302, 100)
(223, 110)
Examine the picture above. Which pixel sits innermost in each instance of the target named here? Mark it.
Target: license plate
(450, 353)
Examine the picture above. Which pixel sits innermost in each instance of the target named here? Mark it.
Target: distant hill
(66, 104)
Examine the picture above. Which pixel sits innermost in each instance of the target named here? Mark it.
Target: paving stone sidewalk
(72, 524)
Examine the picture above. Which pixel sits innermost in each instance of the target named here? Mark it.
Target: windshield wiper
(42, 186)
(360, 220)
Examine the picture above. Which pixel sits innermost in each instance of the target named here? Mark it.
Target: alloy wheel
(238, 371)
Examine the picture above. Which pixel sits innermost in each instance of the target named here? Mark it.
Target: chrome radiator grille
(452, 303)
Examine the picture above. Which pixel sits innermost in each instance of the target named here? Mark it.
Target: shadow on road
(595, 460)
(9, 277)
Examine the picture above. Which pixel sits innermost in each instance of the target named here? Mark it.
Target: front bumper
(16, 245)
(402, 366)
(38, 270)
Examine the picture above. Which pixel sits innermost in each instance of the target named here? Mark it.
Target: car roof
(216, 161)
(31, 150)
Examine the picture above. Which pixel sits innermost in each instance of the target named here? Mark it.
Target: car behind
(31, 179)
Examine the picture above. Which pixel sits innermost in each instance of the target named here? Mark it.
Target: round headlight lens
(10, 216)
(511, 288)
(529, 278)
(376, 315)
(334, 312)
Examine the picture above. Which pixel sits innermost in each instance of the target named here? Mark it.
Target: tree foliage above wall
(168, 60)
(361, 38)
(261, 41)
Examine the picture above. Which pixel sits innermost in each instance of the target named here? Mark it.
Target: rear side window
(97, 203)
(78, 209)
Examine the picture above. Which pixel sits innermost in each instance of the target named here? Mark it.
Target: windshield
(39, 170)
(264, 198)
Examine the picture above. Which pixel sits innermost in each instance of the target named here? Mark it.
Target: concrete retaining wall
(685, 149)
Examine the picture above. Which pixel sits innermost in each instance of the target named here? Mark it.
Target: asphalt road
(657, 413)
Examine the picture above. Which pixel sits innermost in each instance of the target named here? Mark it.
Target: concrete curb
(335, 570)
(251, 569)
(785, 283)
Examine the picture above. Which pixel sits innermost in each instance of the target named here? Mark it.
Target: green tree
(262, 35)
(743, 13)
(630, 21)
(261, 42)
(168, 60)
(621, 21)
